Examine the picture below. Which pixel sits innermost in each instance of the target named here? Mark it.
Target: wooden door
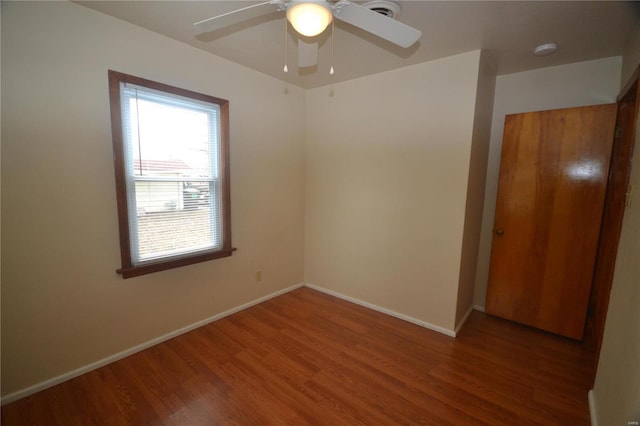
(553, 177)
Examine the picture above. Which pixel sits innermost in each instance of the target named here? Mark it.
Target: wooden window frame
(128, 269)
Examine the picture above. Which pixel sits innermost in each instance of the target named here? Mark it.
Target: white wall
(579, 84)
(387, 165)
(631, 56)
(476, 187)
(63, 305)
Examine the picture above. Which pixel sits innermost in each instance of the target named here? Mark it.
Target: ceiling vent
(386, 8)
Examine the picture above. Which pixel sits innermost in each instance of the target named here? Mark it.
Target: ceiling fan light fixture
(309, 18)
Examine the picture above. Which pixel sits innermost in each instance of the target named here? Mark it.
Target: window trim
(128, 269)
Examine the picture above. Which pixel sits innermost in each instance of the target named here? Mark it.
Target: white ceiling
(507, 30)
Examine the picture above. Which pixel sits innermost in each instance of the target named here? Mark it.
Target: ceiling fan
(311, 17)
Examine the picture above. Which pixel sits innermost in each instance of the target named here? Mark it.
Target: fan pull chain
(333, 36)
(286, 43)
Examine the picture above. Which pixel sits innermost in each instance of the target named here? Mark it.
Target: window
(171, 153)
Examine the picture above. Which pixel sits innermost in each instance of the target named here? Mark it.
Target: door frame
(614, 208)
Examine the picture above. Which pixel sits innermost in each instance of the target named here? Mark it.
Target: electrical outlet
(258, 276)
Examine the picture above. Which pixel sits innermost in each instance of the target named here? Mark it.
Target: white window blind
(172, 161)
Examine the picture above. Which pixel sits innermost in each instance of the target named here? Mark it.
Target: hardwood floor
(309, 358)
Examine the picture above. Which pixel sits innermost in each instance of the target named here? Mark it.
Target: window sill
(148, 268)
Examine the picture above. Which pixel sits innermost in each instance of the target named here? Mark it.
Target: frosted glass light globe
(309, 18)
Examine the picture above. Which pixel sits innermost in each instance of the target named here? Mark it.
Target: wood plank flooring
(309, 358)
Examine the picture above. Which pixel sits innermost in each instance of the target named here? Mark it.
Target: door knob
(500, 231)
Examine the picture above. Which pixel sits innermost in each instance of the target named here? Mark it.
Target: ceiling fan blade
(238, 15)
(377, 24)
(307, 54)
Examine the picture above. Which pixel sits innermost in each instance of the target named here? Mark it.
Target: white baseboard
(464, 319)
(478, 308)
(450, 333)
(112, 358)
(593, 414)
